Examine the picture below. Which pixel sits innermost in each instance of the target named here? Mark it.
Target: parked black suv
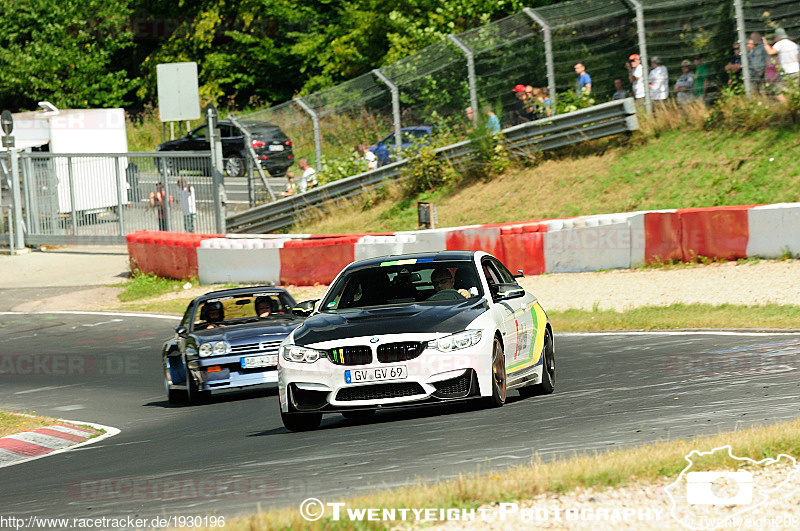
(273, 148)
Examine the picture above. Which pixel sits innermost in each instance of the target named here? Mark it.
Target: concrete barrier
(774, 230)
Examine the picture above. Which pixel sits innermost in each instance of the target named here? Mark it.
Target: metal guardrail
(549, 133)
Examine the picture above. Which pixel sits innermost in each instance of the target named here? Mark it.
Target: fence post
(473, 90)
(16, 202)
(742, 38)
(117, 161)
(317, 134)
(548, 55)
(73, 214)
(216, 169)
(395, 108)
(637, 6)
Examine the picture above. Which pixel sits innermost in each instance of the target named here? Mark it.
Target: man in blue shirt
(584, 79)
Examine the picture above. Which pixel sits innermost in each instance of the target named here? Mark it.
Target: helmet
(211, 307)
(266, 300)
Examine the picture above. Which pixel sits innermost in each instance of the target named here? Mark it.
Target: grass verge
(144, 286)
(15, 422)
(678, 316)
(663, 460)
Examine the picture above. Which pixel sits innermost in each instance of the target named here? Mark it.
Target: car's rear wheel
(498, 375)
(362, 415)
(548, 383)
(173, 395)
(234, 165)
(301, 421)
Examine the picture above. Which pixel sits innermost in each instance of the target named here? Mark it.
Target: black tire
(235, 166)
(301, 421)
(548, 384)
(362, 415)
(173, 395)
(498, 375)
(194, 395)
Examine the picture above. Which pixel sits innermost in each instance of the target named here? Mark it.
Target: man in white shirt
(309, 177)
(659, 80)
(188, 203)
(635, 74)
(788, 56)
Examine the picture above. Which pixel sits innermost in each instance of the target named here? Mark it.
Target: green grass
(678, 316)
(675, 169)
(662, 461)
(144, 286)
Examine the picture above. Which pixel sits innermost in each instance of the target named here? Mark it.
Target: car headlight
(301, 354)
(456, 341)
(215, 347)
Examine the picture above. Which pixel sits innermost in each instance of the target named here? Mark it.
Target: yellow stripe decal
(539, 321)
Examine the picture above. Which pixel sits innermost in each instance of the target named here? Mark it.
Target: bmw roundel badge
(374, 340)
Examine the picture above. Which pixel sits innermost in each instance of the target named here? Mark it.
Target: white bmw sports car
(417, 329)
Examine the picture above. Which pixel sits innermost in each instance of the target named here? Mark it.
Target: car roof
(235, 292)
(440, 256)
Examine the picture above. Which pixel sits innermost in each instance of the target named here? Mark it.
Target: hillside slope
(675, 169)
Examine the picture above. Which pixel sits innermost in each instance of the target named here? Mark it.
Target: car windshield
(242, 308)
(404, 282)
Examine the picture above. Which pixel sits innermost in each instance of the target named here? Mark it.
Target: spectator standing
(584, 79)
(734, 66)
(659, 80)
(188, 203)
(757, 56)
(518, 111)
(636, 75)
(368, 155)
(309, 178)
(700, 78)
(492, 121)
(684, 87)
(291, 187)
(158, 200)
(788, 55)
(619, 91)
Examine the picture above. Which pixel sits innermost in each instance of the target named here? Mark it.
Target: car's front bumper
(433, 376)
(226, 373)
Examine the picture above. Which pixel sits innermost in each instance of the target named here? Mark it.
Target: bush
(735, 111)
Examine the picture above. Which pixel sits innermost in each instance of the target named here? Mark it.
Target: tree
(64, 52)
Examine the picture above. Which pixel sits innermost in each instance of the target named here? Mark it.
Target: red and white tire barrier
(29, 445)
(585, 243)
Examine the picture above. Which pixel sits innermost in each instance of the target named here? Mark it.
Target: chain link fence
(535, 48)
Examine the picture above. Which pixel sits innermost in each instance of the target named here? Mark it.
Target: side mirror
(504, 292)
(304, 308)
(181, 331)
(520, 274)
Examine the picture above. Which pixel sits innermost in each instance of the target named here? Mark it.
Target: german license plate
(275, 147)
(395, 372)
(257, 362)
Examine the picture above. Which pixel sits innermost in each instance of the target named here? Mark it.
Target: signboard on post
(7, 123)
(178, 95)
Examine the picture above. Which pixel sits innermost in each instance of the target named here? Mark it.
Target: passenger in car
(263, 307)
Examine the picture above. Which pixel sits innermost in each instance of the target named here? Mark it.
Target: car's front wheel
(301, 421)
(548, 383)
(173, 395)
(194, 395)
(498, 375)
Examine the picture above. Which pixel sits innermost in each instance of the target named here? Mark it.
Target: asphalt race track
(233, 454)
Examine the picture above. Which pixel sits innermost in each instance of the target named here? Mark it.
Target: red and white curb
(49, 440)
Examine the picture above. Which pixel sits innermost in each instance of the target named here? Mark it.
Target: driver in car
(442, 279)
(213, 314)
